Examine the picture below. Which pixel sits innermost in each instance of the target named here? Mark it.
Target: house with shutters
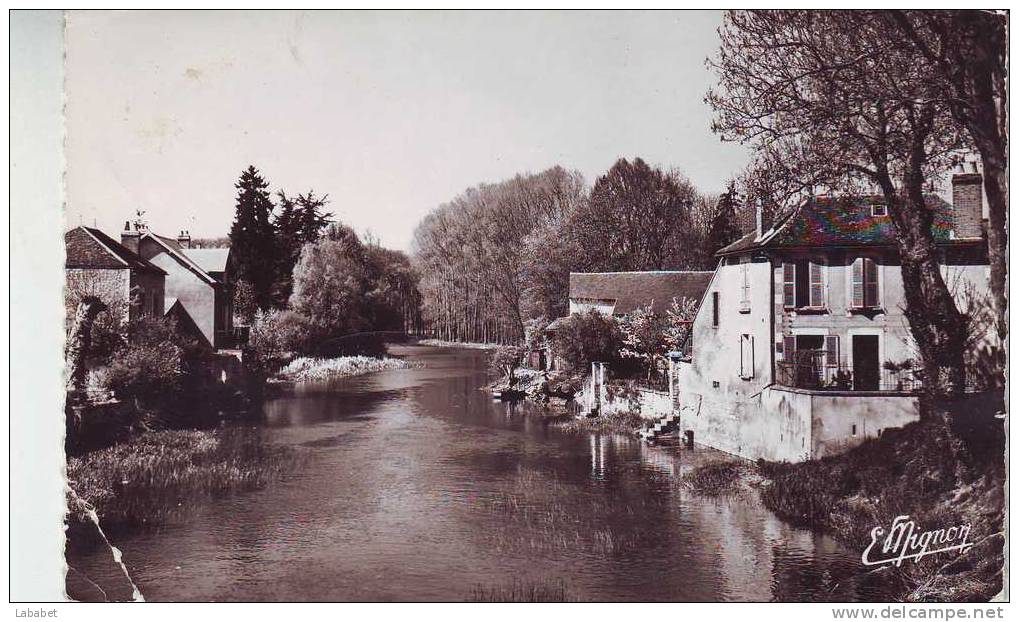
(199, 282)
(800, 346)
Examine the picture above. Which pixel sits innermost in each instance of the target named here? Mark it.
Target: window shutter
(745, 294)
(816, 284)
(746, 356)
(831, 350)
(870, 283)
(857, 301)
(789, 347)
(789, 285)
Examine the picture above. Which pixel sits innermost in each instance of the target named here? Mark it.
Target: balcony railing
(812, 369)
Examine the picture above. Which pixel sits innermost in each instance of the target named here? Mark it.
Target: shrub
(277, 334)
(505, 362)
(149, 374)
(587, 337)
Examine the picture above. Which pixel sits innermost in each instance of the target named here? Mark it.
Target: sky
(391, 113)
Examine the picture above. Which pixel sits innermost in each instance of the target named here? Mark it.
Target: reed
(157, 476)
(532, 591)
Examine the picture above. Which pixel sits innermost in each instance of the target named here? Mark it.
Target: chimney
(967, 203)
(129, 237)
(765, 218)
(184, 239)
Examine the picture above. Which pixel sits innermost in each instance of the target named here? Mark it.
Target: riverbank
(940, 473)
(153, 477)
(439, 343)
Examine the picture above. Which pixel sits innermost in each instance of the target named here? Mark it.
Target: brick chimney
(764, 218)
(184, 239)
(129, 237)
(967, 202)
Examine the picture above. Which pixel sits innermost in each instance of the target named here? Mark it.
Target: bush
(278, 334)
(505, 362)
(587, 337)
(150, 375)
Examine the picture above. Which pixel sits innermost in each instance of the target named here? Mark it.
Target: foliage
(825, 101)
(276, 334)
(245, 303)
(679, 319)
(643, 333)
(301, 220)
(252, 236)
(723, 228)
(505, 361)
(157, 475)
(305, 369)
(940, 472)
(583, 338)
(638, 218)
(150, 374)
(109, 331)
(489, 260)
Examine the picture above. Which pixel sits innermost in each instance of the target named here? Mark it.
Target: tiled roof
(828, 221)
(209, 259)
(630, 290)
(87, 247)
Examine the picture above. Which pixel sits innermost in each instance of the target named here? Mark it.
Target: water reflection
(418, 486)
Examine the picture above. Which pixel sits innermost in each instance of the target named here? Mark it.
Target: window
(866, 286)
(878, 209)
(803, 285)
(714, 309)
(746, 356)
(744, 300)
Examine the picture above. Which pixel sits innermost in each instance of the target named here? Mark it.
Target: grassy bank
(305, 368)
(157, 475)
(626, 423)
(941, 472)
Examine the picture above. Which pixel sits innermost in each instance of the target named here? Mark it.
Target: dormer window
(878, 209)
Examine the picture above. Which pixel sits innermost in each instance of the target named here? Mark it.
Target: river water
(418, 487)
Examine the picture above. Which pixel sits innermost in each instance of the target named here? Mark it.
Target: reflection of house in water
(795, 341)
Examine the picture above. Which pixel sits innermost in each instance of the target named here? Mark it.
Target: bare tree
(964, 53)
(825, 101)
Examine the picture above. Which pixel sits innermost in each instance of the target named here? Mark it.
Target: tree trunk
(79, 343)
(939, 329)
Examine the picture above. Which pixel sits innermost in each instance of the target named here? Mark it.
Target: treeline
(305, 282)
(497, 258)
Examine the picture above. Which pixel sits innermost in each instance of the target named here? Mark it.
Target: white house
(800, 332)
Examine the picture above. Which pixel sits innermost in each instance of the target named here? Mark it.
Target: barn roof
(631, 290)
(88, 247)
(840, 222)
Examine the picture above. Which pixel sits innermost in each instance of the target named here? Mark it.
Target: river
(419, 487)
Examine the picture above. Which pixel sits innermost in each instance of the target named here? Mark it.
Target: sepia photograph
(698, 306)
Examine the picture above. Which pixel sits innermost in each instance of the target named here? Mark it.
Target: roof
(631, 290)
(839, 222)
(87, 247)
(209, 259)
(175, 250)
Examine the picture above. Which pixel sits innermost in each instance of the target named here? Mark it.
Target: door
(866, 367)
